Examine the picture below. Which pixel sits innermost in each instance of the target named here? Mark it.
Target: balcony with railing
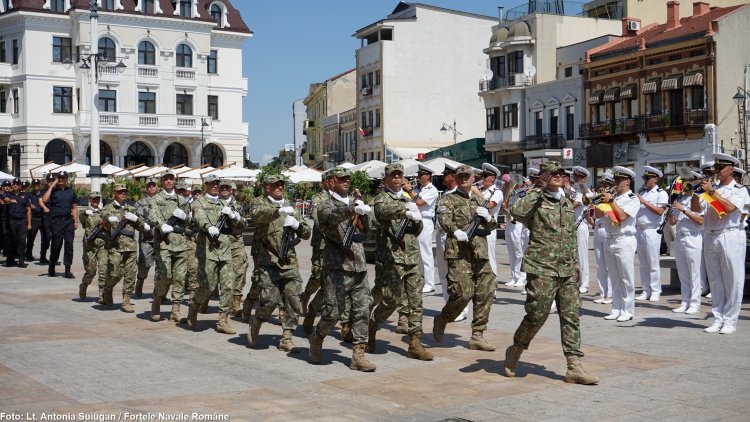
(185, 76)
(642, 124)
(6, 122)
(543, 141)
(147, 74)
(509, 81)
(563, 7)
(6, 71)
(109, 74)
(116, 123)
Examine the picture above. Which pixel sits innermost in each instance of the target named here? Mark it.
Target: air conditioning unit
(366, 91)
(740, 154)
(634, 26)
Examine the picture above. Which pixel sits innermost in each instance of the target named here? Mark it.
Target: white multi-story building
(417, 70)
(177, 100)
(299, 116)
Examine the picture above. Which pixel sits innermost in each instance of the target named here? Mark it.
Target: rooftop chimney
(500, 11)
(700, 7)
(673, 14)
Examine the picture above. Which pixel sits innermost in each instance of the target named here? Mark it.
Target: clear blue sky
(299, 42)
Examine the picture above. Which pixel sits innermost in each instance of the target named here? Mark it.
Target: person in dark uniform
(36, 219)
(63, 210)
(4, 229)
(19, 220)
(46, 219)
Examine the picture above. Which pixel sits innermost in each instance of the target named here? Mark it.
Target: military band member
(724, 244)
(347, 276)
(470, 276)
(146, 240)
(580, 181)
(95, 251)
(18, 210)
(428, 195)
(495, 196)
(275, 223)
(550, 265)
(516, 235)
(654, 201)
(399, 260)
(122, 263)
(600, 241)
(62, 202)
(688, 248)
(36, 219)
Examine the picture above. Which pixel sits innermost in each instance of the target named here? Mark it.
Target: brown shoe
(139, 288)
(126, 306)
(478, 342)
(192, 318)
(236, 306)
(254, 333)
(512, 356)
(108, 296)
(175, 315)
(308, 324)
(223, 325)
(286, 344)
(156, 308)
(576, 374)
(403, 324)
(359, 360)
(416, 350)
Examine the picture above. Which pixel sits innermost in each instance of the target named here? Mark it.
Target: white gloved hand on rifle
(113, 219)
(286, 211)
(292, 222)
(461, 236)
(130, 216)
(146, 227)
(89, 213)
(414, 215)
(228, 211)
(213, 231)
(362, 209)
(166, 228)
(179, 214)
(484, 213)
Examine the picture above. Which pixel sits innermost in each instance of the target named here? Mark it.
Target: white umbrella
(5, 176)
(345, 165)
(74, 168)
(109, 169)
(151, 171)
(372, 168)
(129, 172)
(237, 173)
(39, 171)
(196, 173)
(307, 175)
(438, 164)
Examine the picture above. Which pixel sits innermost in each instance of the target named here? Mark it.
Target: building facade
(170, 84)
(299, 116)
(647, 11)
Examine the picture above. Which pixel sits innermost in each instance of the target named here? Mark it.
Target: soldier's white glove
(166, 228)
(461, 236)
(358, 202)
(179, 214)
(362, 209)
(213, 231)
(414, 215)
(292, 222)
(228, 212)
(411, 206)
(146, 226)
(286, 211)
(132, 217)
(89, 213)
(113, 219)
(484, 213)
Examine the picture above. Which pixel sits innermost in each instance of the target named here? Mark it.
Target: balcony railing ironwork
(646, 123)
(544, 141)
(499, 82)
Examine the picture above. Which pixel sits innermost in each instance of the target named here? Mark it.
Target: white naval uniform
(514, 240)
(688, 253)
(582, 240)
(600, 241)
(619, 256)
(429, 194)
(649, 241)
(494, 195)
(725, 256)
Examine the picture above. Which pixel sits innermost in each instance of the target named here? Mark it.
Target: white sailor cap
(608, 177)
(707, 165)
(738, 171)
(581, 171)
(425, 168)
(450, 168)
(489, 168)
(619, 171)
(725, 159)
(532, 172)
(649, 171)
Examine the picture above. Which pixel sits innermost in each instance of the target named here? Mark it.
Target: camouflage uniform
(145, 246)
(171, 250)
(316, 242)
(239, 262)
(95, 252)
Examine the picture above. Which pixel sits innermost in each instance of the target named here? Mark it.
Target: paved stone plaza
(60, 355)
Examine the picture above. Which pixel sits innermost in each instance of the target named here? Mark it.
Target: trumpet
(714, 185)
(594, 200)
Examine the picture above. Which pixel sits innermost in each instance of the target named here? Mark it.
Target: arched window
(184, 56)
(58, 152)
(105, 154)
(216, 14)
(139, 153)
(213, 156)
(175, 155)
(107, 48)
(146, 53)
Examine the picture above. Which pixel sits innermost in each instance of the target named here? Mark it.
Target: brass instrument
(594, 201)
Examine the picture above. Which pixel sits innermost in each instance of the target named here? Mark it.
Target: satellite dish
(531, 70)
(487, 74)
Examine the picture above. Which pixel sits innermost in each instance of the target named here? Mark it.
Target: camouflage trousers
(210, 275)
(240, 264)
(470, 280)
(191, 280)
(337, 287)
(253, 294)
(122, 266)
(145, 259)
(541, 291)
(313, 283)
(393, 283)
(172, 268)
(280, 287)
(95, 260)
(316, 304)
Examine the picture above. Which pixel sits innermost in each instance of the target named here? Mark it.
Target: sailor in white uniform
(428, 195)
(491, 192)
(654, 201)
(580, 185)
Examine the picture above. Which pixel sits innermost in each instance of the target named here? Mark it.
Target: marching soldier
(122, 265)
(316, 242)
(550, 265)
(239, 258)
(168, 213)
(347, 271)
(36, 220)
(654, 201)
(428, 195)
(494, 196)
(399, 259)
(62, 202)
(470, 276)
(580, 177)
(95, 249)
(18, 209)
(688, 248)
(146, 240)
(191, 282)
(213, 219)
(49, 180)
(275, 225)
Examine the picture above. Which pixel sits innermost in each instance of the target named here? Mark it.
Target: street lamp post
(741, 99)
(446, 127)
(204, 125)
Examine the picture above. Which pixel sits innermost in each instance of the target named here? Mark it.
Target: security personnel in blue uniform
(4, 229)
(36, 219)
(63, 211)
(18, 211)
(46, 219)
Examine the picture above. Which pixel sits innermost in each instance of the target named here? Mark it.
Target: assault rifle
(223, 220)
(401, 231)
(94, 233)
(474, 224)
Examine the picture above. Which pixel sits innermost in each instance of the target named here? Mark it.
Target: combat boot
(286, 344)
(139, 288)
(50, 270)
(204, 307)
(346, 332)
(316, 348)
(247, 309)
(21, 263)
(236, 309)
(359, 360)
(478, 342)
(512, 356)
(254, 332)
(403, 324)
(155, 308)
(68, 274)
(108, 296)
(416, 351)
(372, 332)
(100, 300)
(175, 315)
(309, 322)
(126, 306)
(438, 328)
(223, 325)
(576, 374)
(192, 318)
(82, 291)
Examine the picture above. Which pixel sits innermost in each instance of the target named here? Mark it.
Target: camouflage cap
(326, 175)
(393, 167)
(233, 185)
(118, 187)
(182, 184)
(550, 166)
(225, 182)
(210, 178)
(94, 195)
(273, 178)
(196, 188)
(151, 180)
(464, 169)
(339, 172)
(169, 172)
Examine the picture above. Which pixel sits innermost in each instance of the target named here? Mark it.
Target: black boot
(22, 264)
(43, 257)
(68, 274)
(51, 270)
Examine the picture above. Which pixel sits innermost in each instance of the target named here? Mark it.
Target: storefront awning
(596, 97)
(671, 83)
(651, 86)
(612, 94)
(630, 91)
(693, 79)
